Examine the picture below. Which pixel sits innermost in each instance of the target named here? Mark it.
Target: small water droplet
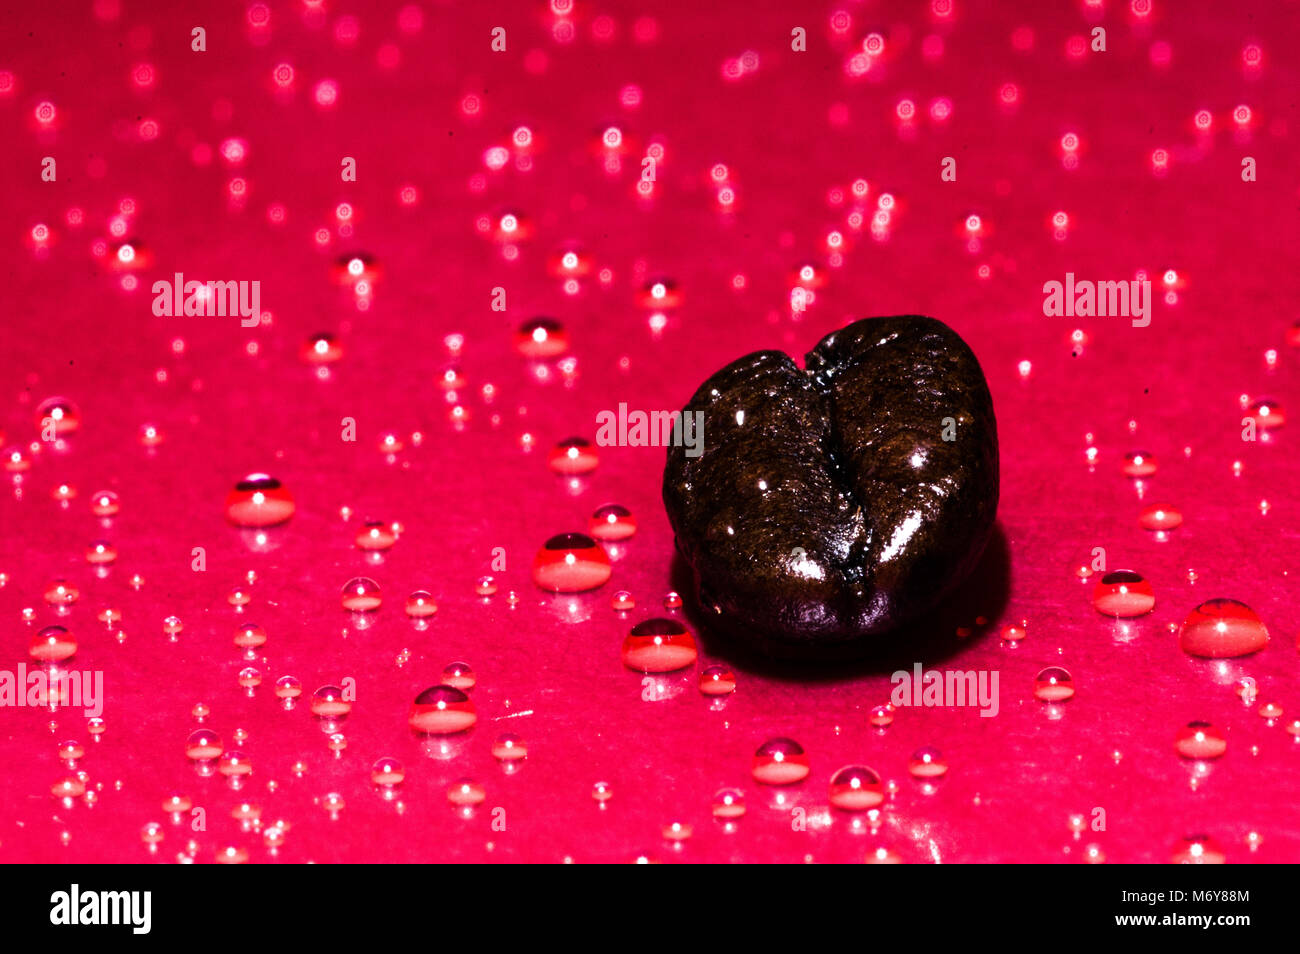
(1053, 684)
(375, 535)
(780, 761)
(104, 503)
(881, 716)
(420, 605)
(1200, 740)
(259, 501)
(330, 705)
(62, 414)
(1124, 594)
(508, 747)
(856, 788)
(540, 338)
(927, 762)
(572, 456)
(1160, 517)
(361, 595)
(717, 681)
(459, 675)
(466, 792)
(612, 522)
(1266, 414)
(1138, 464)
(441, 710)
(1197, 850)
(203, 745)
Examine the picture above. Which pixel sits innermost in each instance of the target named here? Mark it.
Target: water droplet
(420, 605)
(612, 522)
(1160, 517)
(780, 761)
(856, 788)
(927, 762)
(1123, 593)
(442, 710)
(53, 644)
(881, 716)
(571, 563)
(61, 413)
(376, 535)
(1270, 711)
(387, 772)
(235, 766)
(485, 586)
(259, 501)
(622, 601)
(717, 681)
(659, 645)
(321, 349)
(602, 792)
(466, 792)
(104, 503)
(203, 745)
(1197, 850)
(1053, 684)
(574, 455)
(287, 689)
(1200, 740)
(672, 600)
(329, 704)
(541, 338)
(1138, 464)
(238, 597)
(508, 747)
(1266, 414)
(100, 553)
(728, 804)
(361, 595)
(333, 803)
(249, 637)
(459, 675)
(1222, 628)
(1013, 633)
(61, 593)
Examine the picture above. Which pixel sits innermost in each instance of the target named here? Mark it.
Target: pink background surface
(234, 401)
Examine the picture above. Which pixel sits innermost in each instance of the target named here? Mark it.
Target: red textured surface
(236, 400)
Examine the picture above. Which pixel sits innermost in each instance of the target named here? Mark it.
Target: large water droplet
(659, 645)
(1222, 628)
(571, 563)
